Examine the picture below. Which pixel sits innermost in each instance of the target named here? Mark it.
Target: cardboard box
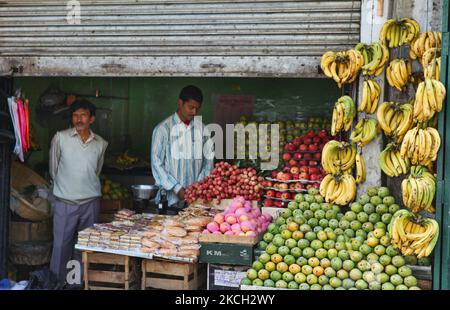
(227, 253)
(225, 277)
(111, 206)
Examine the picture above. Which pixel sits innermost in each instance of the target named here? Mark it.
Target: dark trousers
(68, 220)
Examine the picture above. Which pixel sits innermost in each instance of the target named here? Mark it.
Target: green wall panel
(128, 124)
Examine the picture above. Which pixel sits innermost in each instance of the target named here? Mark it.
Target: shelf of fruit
(279, 199)
(292, 181)
(295, 190)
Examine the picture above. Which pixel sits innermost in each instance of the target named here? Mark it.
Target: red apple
(317, 156)
(276, 185)
(286, 156)
(309, 186)
(268, 202)
(270, 193)
(313, 170)
(287, 177)
(298, 186)
(295, 176)
(298, 156)
(304, 169)
(285, 196)
(308, 141)
(291, 147)
(294, 170)
(314, 177)
(297, 141)
(280, 175)
(312, 163)
(274, 174)
(313, 148)
(304, 176)
(310, 134)
(292, 186)
(292, 163)
(316, 140)
(269, 183)
(278, 204)
(283, 186)
(286, 169)
(307, 156)
(322, 134)
(278, 194)
(303, 147)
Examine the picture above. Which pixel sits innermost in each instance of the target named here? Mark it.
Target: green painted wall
(130, 122)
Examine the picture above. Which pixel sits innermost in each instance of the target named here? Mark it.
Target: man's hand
(180, 193)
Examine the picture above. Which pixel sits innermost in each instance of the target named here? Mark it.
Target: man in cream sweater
(76, 160)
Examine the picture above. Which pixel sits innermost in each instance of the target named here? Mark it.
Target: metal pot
(144, 191)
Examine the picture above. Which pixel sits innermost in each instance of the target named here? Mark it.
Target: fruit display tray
(293, 181)
(286, 190)
(303, 152)
(279, 199)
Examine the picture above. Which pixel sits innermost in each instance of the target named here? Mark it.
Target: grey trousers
(68, 220)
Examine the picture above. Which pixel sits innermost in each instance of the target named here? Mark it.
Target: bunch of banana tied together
(418, 190)
(365, 131)
(338, 157)
(431, 62)
(125, 160)
(399, 31)
(421, 145)
(398, 73)
(392, 163)
(430, 97)
(413, 235)
(375, 55)
(338, 189)
(344, 112)
(395, 119)
(370, 97)
(424, 42)
(343, 67)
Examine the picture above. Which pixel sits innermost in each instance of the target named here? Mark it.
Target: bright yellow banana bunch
(338, 157)
(395, 119)
(392, 163)
(371, 96)
(423, 42)
(421, 145)
(399, 31)
(375, 55)
(365, 131)
(418, 190)
(360, 169)
(343, 67)
(339, 189)
(398, 73)
(344, 112)
(430, 97)
(413, 234)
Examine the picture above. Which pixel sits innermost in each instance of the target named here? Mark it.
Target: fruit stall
(356, 200)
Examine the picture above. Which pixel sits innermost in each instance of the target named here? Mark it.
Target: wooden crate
(168, 275)
(103, 271)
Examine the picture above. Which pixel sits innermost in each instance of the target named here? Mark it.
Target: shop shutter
(174, 37)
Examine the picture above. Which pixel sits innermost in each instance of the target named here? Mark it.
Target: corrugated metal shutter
(199, 31)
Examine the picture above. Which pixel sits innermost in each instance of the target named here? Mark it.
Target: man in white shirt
(76, 160)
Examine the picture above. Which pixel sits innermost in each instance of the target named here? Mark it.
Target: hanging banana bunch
(365, 131)
(398, 73)
(430, 97)
(371, 96)
(344, 112)
(412, 234)
(360, 168)
(338, 189)
(343, 67)
(421, 145)
(399, 31)
(392, 163)
(395, 119)
(431, 62)
(338, 157)
(419, 189)
(375, 55)
(423, 42)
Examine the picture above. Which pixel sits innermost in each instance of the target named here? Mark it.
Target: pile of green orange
(312, 245)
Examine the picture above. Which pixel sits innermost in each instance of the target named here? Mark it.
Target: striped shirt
(181, 155)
